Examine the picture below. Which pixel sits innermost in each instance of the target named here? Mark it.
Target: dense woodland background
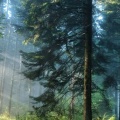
(59, 60)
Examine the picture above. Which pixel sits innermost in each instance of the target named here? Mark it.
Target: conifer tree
(59, 29)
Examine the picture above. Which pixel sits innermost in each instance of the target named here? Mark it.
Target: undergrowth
(49, 116)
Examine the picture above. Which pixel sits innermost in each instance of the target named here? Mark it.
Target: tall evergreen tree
(87, 62)
(62, 31)
(112, 42)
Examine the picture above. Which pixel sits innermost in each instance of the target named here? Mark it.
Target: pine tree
(59, 29)
(59, 77)
(112, 42)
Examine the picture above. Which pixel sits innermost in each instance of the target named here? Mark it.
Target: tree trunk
(71, 112)
(12, 83)
(30, 85)
(11, 94)
(19, 86)
(117, 103)
(87, 61)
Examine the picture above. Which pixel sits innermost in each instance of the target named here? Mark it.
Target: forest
(59, 60)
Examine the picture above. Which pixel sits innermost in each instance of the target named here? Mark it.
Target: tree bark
(12, 83)
(71, 113)
(87, 61)
(117, 102)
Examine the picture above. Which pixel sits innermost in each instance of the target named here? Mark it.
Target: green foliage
(1, 26)
(105, 117)
(48, 116)
(27, 116)
(97, 99)
(112, 118)
(55, 116)
(101, 104)
(6, 116)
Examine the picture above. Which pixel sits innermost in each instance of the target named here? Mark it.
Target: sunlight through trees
(59, 59)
